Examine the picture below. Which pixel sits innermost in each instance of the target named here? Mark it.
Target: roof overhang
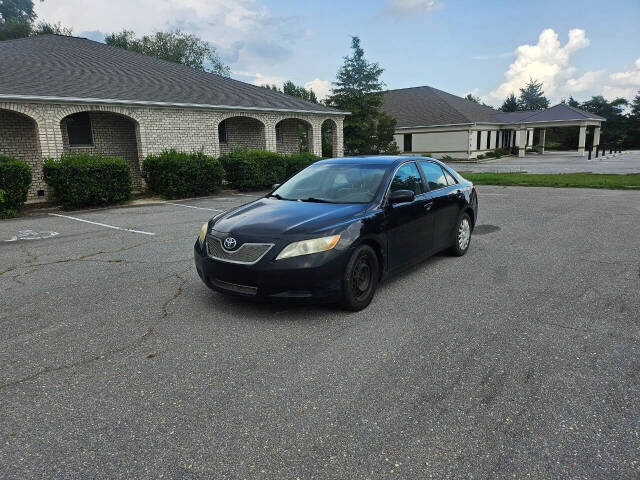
(148, 103)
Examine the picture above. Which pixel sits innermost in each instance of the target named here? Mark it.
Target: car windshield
(333, 183)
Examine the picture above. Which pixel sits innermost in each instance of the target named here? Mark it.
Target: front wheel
(463, 236)
(360, 279)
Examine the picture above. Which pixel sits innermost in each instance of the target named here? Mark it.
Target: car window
(407, 177)
(450, 179)
(334, 183)
(435, 175)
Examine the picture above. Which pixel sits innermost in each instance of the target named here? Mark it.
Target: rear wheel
(360, 279)
(463, 236)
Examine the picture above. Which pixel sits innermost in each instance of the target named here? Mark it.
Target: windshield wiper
(275, 195)
(314, 200)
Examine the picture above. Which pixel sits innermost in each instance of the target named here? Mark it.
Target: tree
(635, 107)
(17, 10)
(472, 98)
(358, 89)
(17, 20)
(184, 48)
(289, 88)
(532, 97)
(572, 102)
(510, 104)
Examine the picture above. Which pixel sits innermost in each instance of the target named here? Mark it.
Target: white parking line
(102, 224)
(191, 206)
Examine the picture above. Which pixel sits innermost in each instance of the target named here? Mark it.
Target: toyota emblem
(229, 243)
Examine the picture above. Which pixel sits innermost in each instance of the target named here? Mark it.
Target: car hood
(270, 216)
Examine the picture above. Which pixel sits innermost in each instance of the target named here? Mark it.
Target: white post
(522, 140)
(596, 137)
(582, 140)
(543, 132)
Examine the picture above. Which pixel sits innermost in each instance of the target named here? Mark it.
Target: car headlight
(306, 247)
(203, 232)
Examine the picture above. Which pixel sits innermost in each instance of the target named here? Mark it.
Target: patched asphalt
(519, 360)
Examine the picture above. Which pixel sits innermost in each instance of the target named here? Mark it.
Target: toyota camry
(337, 228)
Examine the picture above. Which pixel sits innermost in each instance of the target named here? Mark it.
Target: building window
(408, 142)
(278, 133)
(489, 140)
(79, 129)
(478, 137)
(222, 131)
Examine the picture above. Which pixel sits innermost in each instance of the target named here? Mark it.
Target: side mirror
(401, 196)
(275, 185)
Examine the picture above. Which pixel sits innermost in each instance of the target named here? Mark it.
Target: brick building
(66, 94)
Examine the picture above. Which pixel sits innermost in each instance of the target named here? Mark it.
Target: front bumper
(308, 277)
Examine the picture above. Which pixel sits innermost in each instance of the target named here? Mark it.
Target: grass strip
(574, 180)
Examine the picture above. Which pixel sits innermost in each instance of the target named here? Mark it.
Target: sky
(489, 48)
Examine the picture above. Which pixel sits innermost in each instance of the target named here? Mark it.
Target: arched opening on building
(293, 136)
(19, 139)
(103, 133)
(329, 138)
(240, 132)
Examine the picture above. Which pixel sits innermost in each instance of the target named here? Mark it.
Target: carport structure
(66, 95)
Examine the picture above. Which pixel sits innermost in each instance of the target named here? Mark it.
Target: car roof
(390, 160)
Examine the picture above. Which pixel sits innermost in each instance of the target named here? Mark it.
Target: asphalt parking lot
(519, 360)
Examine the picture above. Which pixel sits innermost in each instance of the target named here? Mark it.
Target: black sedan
(337, 228)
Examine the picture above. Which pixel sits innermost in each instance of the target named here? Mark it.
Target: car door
(446, 203)
(409, 225)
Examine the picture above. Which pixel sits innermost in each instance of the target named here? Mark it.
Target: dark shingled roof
(427, 106)
(72, 68)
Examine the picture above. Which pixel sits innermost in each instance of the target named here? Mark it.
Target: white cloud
(588, 81)
(624, 84)
(257, 78)
(246, 34)
(321, 88)
(547, 61)
(405, 8)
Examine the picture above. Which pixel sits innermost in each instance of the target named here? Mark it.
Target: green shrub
(83, 180)
(256, 169)
(15, 178)
(480, 157)
(174, 174)
(427, 155)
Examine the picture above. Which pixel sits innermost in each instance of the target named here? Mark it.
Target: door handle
(428, 204)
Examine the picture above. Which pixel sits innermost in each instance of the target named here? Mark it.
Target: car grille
(247, 253)
(233, 287)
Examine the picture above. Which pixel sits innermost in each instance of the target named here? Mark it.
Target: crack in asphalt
(181, 276)
(81, 258)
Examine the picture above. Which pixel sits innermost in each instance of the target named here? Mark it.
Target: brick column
(315, 140)
(50, 136)
(270, 136)
(543, 134)
(338, 138)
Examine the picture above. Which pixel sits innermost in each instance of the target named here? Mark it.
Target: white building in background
(436, 122)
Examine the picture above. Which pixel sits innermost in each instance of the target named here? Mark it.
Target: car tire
(462, 234)
(360, 279)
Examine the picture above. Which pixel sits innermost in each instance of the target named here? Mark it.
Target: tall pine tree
(510, 104)
(358, 89)
(532, 97)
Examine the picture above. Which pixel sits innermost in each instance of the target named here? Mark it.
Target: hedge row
(174, 174)
(83, 180)
(255, 169)
(15, 178)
